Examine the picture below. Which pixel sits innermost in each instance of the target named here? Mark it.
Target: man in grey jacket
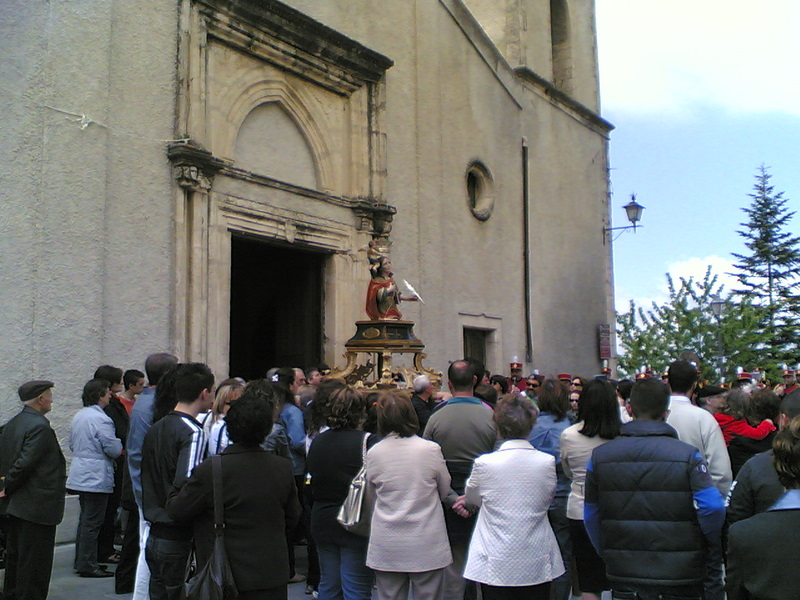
(464, 429)
(33, 470)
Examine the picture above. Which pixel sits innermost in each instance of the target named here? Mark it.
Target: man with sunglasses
(532, 385)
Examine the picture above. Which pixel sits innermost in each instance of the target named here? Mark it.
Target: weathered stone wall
(86, 238)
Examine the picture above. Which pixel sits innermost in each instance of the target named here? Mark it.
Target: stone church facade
(205, 176)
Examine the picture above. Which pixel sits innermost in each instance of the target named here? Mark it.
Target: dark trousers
(278, 593)
(105, 541)
(684, 592)
(300, 530)
(714, 583)
(29, 559)
(525, 592)
(90, 521)
(167, 562)
(125, 575)
(313, 558)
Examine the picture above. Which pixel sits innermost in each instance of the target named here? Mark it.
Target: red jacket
(732, 428)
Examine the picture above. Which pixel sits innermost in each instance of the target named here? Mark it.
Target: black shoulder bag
(215, 580)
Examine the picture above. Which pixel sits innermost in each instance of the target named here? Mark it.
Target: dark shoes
(96, 573)
(113, 559)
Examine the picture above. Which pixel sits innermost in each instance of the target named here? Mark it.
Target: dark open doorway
(276, 307)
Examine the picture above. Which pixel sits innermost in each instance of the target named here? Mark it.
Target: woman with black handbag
(259, 504)
(334, 459)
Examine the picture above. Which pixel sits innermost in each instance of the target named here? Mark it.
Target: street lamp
(717, 304)
(633, 210)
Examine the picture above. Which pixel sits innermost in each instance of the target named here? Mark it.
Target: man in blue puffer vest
(652, 511)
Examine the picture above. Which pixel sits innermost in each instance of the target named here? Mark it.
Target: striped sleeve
(192, 452)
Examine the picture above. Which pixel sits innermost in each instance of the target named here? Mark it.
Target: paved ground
(66, 585)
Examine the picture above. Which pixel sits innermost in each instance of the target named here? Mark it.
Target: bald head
(462, 378)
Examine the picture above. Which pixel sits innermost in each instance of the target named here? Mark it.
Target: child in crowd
(732, 419)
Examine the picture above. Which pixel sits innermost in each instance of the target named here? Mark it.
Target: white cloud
(659, 56)
(693, 267)
(696, 267)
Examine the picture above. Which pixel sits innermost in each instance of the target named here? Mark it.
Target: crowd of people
(500, 487)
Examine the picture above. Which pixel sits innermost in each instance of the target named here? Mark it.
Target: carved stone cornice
(374, 215)
(194, 166)
(565, 101)
(284, 36)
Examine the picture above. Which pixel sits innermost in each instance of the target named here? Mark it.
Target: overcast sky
(701, 94)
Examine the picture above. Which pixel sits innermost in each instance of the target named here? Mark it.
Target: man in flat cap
(33, 472)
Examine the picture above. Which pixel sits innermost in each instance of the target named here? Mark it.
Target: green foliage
(760, 325)
(769, 275)
(658, 335)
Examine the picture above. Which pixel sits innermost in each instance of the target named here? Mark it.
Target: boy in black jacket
(171, 450)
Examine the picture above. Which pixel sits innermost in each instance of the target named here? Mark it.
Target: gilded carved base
(372, 351)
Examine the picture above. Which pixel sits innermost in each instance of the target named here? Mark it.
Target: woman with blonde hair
(214, 423)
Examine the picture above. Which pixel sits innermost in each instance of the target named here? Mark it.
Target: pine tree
(768, 275)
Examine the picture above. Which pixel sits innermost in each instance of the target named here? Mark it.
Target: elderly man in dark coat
(33, 471)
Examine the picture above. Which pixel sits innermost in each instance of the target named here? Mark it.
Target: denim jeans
(344, 574)
(167, 562)
(560, 524)
(90, 521)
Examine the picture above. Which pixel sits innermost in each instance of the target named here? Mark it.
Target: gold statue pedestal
(381, 341)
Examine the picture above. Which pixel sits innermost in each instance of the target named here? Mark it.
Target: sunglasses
(533, 385)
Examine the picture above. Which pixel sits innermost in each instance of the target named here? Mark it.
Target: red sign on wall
(604, 341)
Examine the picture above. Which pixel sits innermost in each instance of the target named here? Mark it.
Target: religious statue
(382, 293)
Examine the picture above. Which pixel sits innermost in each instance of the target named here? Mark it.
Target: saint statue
(382, 293)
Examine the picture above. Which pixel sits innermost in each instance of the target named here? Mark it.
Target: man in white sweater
(698, 427)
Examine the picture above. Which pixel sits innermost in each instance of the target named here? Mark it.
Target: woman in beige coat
(407, 481)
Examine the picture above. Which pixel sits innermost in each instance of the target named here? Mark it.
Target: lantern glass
(634, 210)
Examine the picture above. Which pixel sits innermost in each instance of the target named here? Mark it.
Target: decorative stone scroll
(194, 166)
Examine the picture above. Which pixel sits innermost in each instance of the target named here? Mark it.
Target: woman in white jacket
(407, 481)
(94, 447)
(513, 552)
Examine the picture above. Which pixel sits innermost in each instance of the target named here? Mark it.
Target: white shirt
(576, 450)
(699, 428)
(218, 438)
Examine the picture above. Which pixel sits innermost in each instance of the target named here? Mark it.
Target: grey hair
(421, 382)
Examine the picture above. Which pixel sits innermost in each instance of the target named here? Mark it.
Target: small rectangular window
(475, 343)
